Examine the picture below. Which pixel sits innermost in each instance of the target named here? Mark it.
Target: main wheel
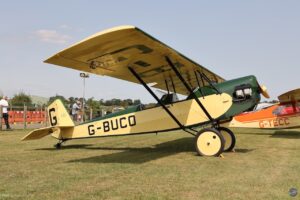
(229, 138)
(209, 142)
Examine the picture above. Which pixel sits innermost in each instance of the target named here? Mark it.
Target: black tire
(209, 142)
(57, 146)
(229, 138)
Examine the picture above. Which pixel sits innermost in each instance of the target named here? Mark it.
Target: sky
(231, 38)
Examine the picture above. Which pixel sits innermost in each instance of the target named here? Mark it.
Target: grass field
(163, 166)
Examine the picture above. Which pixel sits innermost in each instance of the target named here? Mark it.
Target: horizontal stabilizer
(39, 133)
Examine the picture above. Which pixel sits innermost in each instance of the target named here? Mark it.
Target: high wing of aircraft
(282, 115)
(111, 52)
(290, 97)
(130, 54)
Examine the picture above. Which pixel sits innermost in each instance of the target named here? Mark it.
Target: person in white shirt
(4, 105)
(75, 110)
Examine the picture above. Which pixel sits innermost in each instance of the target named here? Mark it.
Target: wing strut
(159, 101)
(167, 86)
(212, 120)
(199, 84)
(202, 75)
(174, 89)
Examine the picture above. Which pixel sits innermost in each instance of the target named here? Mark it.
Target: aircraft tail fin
(58, 115)
(59, 118)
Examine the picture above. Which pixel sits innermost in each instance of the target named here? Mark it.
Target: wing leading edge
(112, 51)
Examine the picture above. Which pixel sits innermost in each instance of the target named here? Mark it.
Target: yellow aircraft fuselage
(150, 120)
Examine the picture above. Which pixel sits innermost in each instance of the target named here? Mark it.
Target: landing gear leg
(209, 142)
(229, 138)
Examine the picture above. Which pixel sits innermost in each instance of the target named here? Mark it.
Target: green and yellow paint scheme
(130, 54)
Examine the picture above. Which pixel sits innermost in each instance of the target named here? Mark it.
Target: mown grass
(266, 165)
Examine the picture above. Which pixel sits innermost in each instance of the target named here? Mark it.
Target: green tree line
(22, 99)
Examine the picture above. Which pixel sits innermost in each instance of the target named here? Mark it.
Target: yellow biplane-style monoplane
(130, 54)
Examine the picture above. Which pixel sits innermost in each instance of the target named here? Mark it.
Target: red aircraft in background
(285, 114)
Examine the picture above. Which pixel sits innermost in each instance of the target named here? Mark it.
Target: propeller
(264, 91)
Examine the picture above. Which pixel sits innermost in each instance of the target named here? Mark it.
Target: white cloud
(52, 36)
(64, 26)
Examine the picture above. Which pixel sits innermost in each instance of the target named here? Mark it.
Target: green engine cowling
(244, 91)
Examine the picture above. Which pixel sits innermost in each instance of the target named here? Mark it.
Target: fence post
(0, 118)
(12, 117)
(25, 116)
(91, 113)
(46, 117)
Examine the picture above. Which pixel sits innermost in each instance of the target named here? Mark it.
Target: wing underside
(111, 52)
(293, 95)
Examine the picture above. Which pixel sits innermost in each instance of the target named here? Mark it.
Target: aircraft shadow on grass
(281, 133)
(145, 154)
(141, 155)
(72, 146)
(243, 150)
(136, 155)
(286, 134)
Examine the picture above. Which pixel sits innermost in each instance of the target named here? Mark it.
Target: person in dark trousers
(4, 105)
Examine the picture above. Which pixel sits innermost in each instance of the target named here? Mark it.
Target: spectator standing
(75, 110)
(4, 104)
